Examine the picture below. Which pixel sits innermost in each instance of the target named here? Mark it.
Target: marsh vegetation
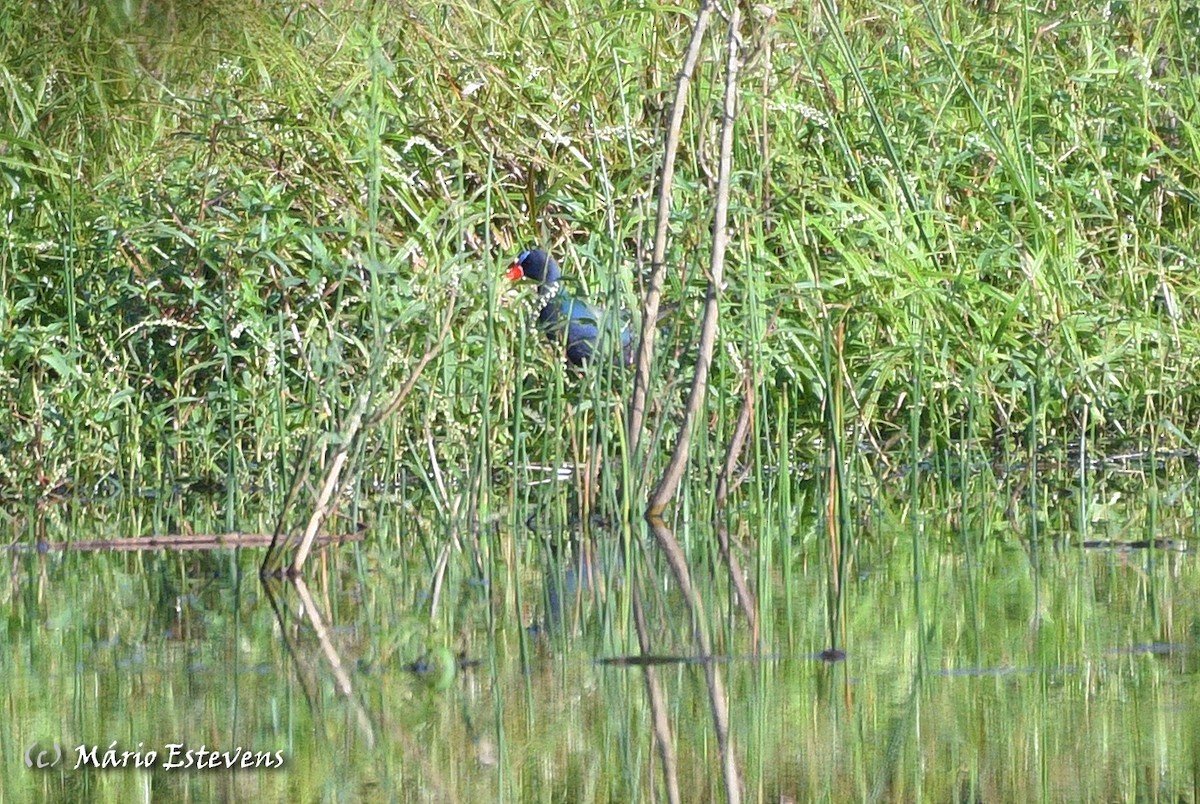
(920, 531)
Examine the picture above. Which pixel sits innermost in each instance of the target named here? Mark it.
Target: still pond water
(978, 639)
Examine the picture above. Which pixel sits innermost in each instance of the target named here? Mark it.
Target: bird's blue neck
(553, 273)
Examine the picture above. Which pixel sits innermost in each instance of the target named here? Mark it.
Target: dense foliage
(223, 224)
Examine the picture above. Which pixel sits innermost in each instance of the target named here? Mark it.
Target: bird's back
(582, 324)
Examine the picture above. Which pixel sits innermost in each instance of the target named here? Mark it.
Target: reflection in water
(570, 581)
(969, 671)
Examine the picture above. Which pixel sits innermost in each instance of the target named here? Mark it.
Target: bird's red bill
(515, 272)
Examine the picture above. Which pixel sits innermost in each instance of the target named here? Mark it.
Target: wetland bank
(910, 295)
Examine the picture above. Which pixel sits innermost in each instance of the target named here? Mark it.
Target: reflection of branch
(303, 669)
(439, 574)
(737, 443)
(658, 705)
(712, 677)
(344, 685)
(414, 752)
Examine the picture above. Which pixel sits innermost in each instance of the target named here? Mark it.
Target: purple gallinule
(561, 314)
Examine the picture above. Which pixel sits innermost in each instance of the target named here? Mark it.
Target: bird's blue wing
(581, 324)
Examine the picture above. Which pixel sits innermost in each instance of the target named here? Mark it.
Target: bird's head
(534, 264)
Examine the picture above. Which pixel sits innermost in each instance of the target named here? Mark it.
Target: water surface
(988, 653)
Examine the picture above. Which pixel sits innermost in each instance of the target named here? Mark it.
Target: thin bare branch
(326, 496)
(341, 676)
(745, 597)
(333, 477)
(434, 349)
(708, 332)
(645, 350)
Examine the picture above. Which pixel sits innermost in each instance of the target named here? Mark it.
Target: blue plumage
(561, 314)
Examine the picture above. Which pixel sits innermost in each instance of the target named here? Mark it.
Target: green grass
(220, 229)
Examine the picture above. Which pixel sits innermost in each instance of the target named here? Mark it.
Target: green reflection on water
(985, 667)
